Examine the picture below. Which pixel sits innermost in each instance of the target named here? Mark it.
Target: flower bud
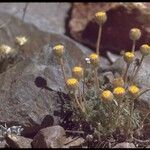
(135, 34)
(58, 50)
(101, 17)
(118, 82)
(94, 59)
(133, 90)
(128, 57)
(119, 92)
(106, 95)
(72, 83)
(145, 49)
(77, 72)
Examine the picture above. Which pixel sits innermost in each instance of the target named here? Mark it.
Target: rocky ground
(31, 91)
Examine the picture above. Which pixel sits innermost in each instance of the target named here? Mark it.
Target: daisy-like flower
(106, 95)
(58, 50)
(72, 83)
(100, 17)
(145, 49)
(6, 51)
(77, 72)
(21, 40)
(135, 34)
(119, 92)
(128, 57)
(94, 59)
(118, 82)
(133, 90)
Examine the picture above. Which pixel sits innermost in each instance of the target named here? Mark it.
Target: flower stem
(118, 113)
(133, 46)
(141, 94)
(63, 69)
(98, 40)
(135, 74)
(131, 77)
(96, 80)
(80, 98)
(76, 99)
(130, 118)
(125, 74)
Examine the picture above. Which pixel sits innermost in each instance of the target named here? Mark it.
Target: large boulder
(115, 35)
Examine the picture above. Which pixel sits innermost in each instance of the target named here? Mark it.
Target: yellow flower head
(128, 57)
(135, 34)
(119, 92)
(72, 83)
(21, 40)
(118, 82)
(133, 90)
(77, 72)
(101, 17)
(145, 49)
(58, 50)
(106, 95)
(94, 59)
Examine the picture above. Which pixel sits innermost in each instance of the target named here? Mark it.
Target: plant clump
(106, 107)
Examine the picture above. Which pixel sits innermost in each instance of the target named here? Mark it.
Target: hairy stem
(96, 80)
(135, 74)
(141, 94)
(130, 118)
(131, 77)
(125, 74)
(133, 46)
(78, 103)
(63, 69)
(98, 40)
(80, 98)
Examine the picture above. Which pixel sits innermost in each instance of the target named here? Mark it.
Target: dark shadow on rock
(47, 121)
(41, 83)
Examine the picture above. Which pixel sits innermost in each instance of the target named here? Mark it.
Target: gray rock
(50, 137)
(124, 145)
(52, 19)
(15, 141)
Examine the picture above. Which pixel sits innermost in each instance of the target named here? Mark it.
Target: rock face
(115, 35)
(51, 137)
(52, 19)
(29, 89)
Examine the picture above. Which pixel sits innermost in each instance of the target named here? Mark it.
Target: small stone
(50, 137)
(125, 145)
(15, 141)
